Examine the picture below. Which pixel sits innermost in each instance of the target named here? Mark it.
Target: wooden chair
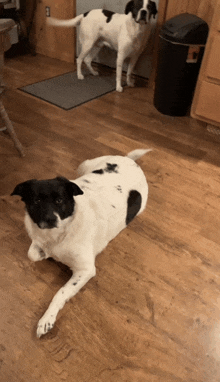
(5, 26)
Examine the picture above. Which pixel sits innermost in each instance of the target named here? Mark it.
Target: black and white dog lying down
(126, 33)
(73, 221)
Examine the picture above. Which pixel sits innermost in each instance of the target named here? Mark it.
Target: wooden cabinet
(206, 102)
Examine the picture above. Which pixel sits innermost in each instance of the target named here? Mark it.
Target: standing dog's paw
(119, 89)
(131, 82)
(80, 77)
(45, 324)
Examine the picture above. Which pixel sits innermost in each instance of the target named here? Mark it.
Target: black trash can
(181, 47)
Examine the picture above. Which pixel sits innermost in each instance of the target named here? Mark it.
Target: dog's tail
(136, 154)
(64, 23)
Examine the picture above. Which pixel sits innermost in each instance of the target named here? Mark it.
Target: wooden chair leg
(10, 129)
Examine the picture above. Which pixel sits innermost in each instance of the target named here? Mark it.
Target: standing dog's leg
(120, 60)
(77, 281)
(90, 56)
(131, 65)
(86, 48)
(124, 50)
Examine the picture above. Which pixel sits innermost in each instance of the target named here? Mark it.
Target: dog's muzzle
(48, 223)
(142, 17)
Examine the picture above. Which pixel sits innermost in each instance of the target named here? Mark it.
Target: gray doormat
(67, 92)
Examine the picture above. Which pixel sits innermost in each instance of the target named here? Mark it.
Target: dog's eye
(37, 201)
(59, 201)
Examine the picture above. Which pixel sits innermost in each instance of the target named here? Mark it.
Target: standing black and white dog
(73, 221)
(126, 33)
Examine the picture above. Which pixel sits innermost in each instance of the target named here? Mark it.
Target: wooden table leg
(10, 129)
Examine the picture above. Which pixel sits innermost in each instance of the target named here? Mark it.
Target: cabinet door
(107, 56)
(208, 102)
(213, 61)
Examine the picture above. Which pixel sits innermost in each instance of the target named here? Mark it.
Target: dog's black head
(142, 10)
(47, 201)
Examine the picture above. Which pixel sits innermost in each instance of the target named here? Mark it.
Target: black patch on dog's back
(98, 172)
(86, 14)
(134, 205)
(108, 14)
(111, 167)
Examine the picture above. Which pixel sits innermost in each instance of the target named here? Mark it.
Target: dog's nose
(49, 221)
(143, 15)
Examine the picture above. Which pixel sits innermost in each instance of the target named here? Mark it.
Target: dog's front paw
(119, 89)
(35, 253)
(80, 77)
(45, 324)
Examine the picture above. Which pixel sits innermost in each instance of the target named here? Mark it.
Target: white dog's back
(114, 178)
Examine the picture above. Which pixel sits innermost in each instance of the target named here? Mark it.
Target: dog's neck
(135, 28)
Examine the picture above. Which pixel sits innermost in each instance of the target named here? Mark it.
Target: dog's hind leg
(77, 281)
(90, 56)
(131, 66)
(87, 47)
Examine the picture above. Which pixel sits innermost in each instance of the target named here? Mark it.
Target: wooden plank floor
(152, 313)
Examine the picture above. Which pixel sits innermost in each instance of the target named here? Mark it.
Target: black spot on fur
(86, 181)
(98, 172)
(86, 13)
(134, 205)
(113, 206)
(119, 189)
(108, 14)
(111, 167)
(74, 283)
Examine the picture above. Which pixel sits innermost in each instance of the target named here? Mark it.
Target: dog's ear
(24, 190)
(152, 8)
(129, 7)
(71, 187)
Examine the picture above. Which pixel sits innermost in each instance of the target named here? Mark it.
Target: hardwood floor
(152, 313)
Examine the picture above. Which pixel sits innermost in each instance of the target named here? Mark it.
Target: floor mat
(67, 92)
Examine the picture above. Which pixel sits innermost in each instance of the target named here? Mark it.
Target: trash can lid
(185, 29)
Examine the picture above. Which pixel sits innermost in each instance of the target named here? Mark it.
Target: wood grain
(54, 42)
(206, 99)
(152, 312)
